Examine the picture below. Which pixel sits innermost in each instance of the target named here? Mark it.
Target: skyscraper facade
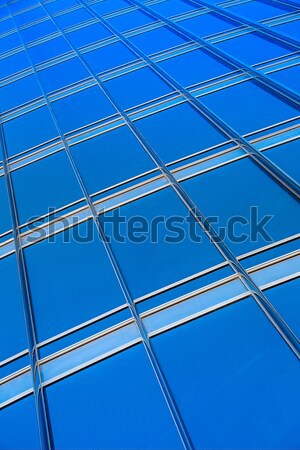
(149, 226)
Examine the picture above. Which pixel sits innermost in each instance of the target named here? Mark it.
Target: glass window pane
(179, 131)
(130, 20)
(48, 50)
(5, 217)
(258, 10)
(55, 182)
(21, 91)
(63, 74)
(23, 415)
(130, 397)
(246, 99)
(29, 16)
(287, 157)
(285, 299)
(96, 159)
(9, 42)
(75, 281)
(259, 48)
(194, 67)
(109, 57)
(157, 255)
(29, 130)
(239, 196)
(121, 87)
(82, 108)
(288, 77)
(207, 24)
(108, 6)
(38, 31)
(13, 64)
(88, 35)
(12, 324)
(59, 5)
(291, 29)
(170, 8)
(157, 40)
(235, 380)
(73, 18)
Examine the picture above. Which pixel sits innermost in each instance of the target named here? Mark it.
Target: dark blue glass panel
(259, 48)
(245, 100)
(170, 8)
(12, 325)
(9, 42)
(179, 131)
(287, 157)
(258, 10)
(63, 74)
(285, 299)
(207, 24)
(5, 220)
(49, 183)
(71, 280)
(13, 64)
(48, 50)
(107, 6)
(238, 196)
(130, 20)
(73, 18)
(29, 130)
(38, 31)
(157, 40)
(288, 77)
(291, 29)
(88, 35)
(235, 380)
(96, 159)
(82, 108)
(22, 415)
(131, 403)
(157, 255)
(109, 56)
(19, 92)
(194, 67)
(121, 87)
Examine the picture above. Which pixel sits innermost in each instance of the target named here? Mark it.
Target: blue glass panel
(288, 77)
(49, 183)
(96, 159)
(287, 157)
(131, 403)
(235, 380)
(88, 35)
(13, 64)
(258, 10)
(21, 414)
(73, 18)
(207, 24)
(12, 325)
(179, 131)
(259, 48)
(121, 87)
(170, 8)
(285, 298)
(224, 194)
(60, 5)
(19, 92)
(130, 20)
(245, 100)
(6, 25)
(107, 6)
(108, 57)
(48, 50)
(291, 29)
(29, 16)
(156, 254)
(5, 220)
(82, 108)
(194, 67)
(75, 281)
(63, 74)
(9, 42)
(157, 40)
(38, 31)
(29, 130)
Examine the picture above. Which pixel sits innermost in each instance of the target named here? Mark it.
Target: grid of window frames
(152, 109)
